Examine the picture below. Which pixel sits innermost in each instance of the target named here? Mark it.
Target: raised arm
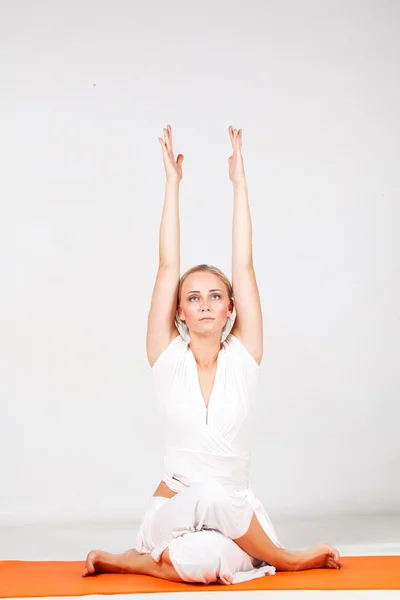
(161, 329)
(248, 326)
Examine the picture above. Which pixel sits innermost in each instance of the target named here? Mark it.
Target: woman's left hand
(236, 166)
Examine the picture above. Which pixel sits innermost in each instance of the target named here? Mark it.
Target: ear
(180, 314)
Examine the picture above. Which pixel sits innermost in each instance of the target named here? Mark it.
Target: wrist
(172, 183)
(239, 184)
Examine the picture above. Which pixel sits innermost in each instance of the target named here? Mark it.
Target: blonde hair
(181, 325)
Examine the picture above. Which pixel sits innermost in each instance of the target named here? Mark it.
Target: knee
(197, 557)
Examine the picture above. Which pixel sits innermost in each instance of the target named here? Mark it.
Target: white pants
(198, 526)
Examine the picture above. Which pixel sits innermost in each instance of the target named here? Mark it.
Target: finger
(165, 132)
(167, 140)
(163, 146)
(235, 132)
(231, 134)
(169, 128)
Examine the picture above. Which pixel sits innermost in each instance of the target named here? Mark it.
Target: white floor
(353, 536)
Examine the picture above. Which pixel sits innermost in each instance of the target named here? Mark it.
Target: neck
(205, 350)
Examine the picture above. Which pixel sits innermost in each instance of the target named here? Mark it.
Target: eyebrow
(198, 291)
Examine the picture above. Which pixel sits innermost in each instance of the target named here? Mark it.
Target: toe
(333, 564)
(90, 562)
(335, 555)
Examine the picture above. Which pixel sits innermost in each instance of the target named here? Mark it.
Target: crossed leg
(207, 505)
(210, 511)
(257, 544)
(130, 561)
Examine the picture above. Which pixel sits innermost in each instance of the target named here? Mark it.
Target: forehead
(202, 281)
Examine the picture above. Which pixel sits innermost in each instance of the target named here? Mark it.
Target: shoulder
(236, 346)
(251, 338)
(169, 354)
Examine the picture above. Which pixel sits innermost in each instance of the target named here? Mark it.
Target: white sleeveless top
(214, 442)
(206, 442)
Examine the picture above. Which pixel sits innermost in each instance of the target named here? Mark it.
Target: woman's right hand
(173, 168)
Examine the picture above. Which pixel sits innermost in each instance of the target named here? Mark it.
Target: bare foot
(90, 565)
(98, 561)
(317, 557)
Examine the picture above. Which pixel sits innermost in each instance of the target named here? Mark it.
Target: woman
(204, 523)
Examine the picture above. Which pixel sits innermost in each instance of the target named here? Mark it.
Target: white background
(86, 88)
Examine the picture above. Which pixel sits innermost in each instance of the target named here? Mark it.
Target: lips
(207, 319)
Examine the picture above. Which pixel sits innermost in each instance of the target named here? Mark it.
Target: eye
(218, 295)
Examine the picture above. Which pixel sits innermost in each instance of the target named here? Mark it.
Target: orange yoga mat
(32, 579)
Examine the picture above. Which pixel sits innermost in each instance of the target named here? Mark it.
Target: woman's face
(204, 295)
